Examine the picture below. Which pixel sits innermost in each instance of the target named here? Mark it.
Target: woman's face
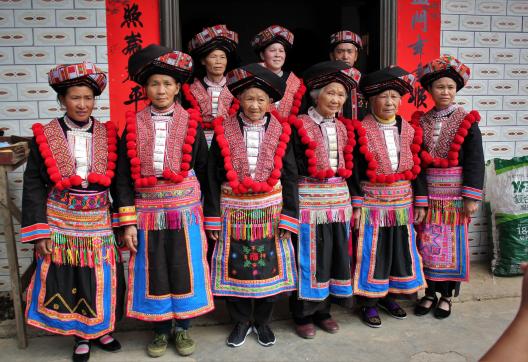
(443, 91)
(79, 102)
(215, 62)
(254, 103)
(385, 105)
(161, 90)
(331, 99)
(274, 57)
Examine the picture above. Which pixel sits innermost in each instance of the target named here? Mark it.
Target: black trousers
(445, 288)
(307, 311)
(242, 310)
(372, 302)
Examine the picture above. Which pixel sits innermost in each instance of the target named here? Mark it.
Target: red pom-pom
(40, 139)
(256, 187)
(297, 103)
(50, 162)
(189, 140)
(415, 148)
(242, 189)
(131, 153)
(458, 139)
(280, 152)
(275, 173)
(265, 187)
(312, 170)
(312, 145)
(272, 181)
(76, 180)
(380, 179)
(187, 148)
(408, 175)
(192, 123)
(455, 147)
(112, 157)
(284, 138)
(135, 161)
(443, 164)
(416, 169)
(66, 183)
(453, 163)
(452, 155)
(309, 153)
(373, 164)
(341, 172)
(277, 162)
(110, 173)
(93, 178)
(52, 170)
(321, 174)
(130, 137)
(349, 164)
(369, 157)
(370, 173)
(231, 175)
(389, 179)
(225, 152)
(139, 182)
(46, 152)
(363, 149)
(176, 178)
(294, 110)
(465, 124)
(348, 157)
(185, 166)
(361, 131)
(112, 148)
(184, 174)
(348, 149)
(362, 140)
(302, 133)
(418, 140)
(59, 186)
(247, 182)
(476, 115)
(298, 124)
(329, 173)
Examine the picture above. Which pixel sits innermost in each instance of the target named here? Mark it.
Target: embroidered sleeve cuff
(212, 223)
(471, 193)
(34, 232)
(289, 223)
(357, 201)
(420, 201)
(125, 216)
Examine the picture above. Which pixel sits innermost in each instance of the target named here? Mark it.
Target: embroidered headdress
(255, 75)
(64, 76)
(270, 35)
(445, 66)
(392, 77)
(345, 36)
(321, 74)
(211, 38)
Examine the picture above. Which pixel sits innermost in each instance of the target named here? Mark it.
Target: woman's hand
(419, 215)
(355, 217)
(212, 234)
(284, 234)
(470, 207)
(129, 237)
(44, 246)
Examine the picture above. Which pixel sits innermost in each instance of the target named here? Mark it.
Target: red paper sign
(418, 42)
(130, 26)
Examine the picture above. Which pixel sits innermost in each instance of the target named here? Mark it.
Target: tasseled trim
(387, 217)
(342, 214)
(164, 219)
(83, 251)
(253, 224)
(446, 211)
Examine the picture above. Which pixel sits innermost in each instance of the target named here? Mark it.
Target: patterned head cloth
(345, 36)
(445, 66)
(255, 75)
(214, 37)
(66, 75)
(156, 59)
(321, 74)
(392, 77)
(270, 35)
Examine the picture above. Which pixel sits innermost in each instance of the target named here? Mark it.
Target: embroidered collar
(214, 84)
(249, 123)
(385, 122)
(162, 112)
(317, 117)
(446, 112)
(72, 126)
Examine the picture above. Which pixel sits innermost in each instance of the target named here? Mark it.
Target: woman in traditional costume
(454, 162)
(272, 45)
(160, 175)
(212, 48)
(323, 146)
(388, 181)
(66, 214)
(251, 204)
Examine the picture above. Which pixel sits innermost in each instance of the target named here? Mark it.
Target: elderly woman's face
(161, 90)
(274, 57)
(331, 99)
(79, 102)
(254, 103)
(215, 62)
(443, 91)
(385, 105)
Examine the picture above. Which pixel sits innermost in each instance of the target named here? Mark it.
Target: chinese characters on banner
(131, 25)
(418, 42)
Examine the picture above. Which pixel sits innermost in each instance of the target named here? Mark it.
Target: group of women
(273, 174)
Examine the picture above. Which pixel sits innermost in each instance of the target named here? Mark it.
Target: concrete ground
(486, 307)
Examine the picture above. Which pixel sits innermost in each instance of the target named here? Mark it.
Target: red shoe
(306, 331)
(328, 325)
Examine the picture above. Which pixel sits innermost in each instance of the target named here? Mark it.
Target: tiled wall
(491, 36)
(35, 35)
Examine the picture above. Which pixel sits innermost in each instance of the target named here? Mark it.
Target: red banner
(130, 26)
(418, 42)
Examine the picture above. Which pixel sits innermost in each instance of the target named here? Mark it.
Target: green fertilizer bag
(507, 198)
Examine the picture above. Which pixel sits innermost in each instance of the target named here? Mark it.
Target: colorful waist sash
(253, 216)
(444, 186)
(387, 204)
(166, 205)
(324, 201)
(81, 228)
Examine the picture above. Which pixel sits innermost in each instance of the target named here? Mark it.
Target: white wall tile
(18, 110)
(475, 87)
(521, 149)
(49, 109)
(89, 4)
(518, 8)
(102, 54)
(516, 71)
(34, 55)
(499, 150)
(491, 7)
(523, 87)
(457, 39)
(515, 133)
(503, 87)
(52, 4)
(523, 56)
(490, 40)
(6, 19)
(501, 118)
(464, 101)
(16, 4)
(34, 18)
(74, 54)
(506, 23)
(522, 117)
(450, 22)
(475, 23)
(101, 108)
(488, 71)
(42, 73)
(25, 126)
(474, 55)
(10, 128)
(6, 55)
(487, 103)
(76, 18)
(17, 73)
(56, 36)
(516, 102)
(90, 36)
(501, 55)
(35, 92)
(517, 40)
(8, 92)
(16, 36)
(458, 6)
(490, 133)
(525, 24)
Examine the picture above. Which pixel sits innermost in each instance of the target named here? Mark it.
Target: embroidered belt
(251, 216)
(444, 182)
(387, 205)
(78, 200)
(324, 201)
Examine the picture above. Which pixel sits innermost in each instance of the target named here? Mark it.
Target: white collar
(312, 112)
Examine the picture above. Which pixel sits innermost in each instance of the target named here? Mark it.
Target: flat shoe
(420, 310)
(113, 346)
(306, 331)
(328, 325)
(370, 316)
(442, 313)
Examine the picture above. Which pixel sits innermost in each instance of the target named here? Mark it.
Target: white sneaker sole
(262, 343)
(231, 344)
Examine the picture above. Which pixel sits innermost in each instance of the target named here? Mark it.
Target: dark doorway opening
(311, 23)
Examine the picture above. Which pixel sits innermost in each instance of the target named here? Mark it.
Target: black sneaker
(238, 334)
(265, 335)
